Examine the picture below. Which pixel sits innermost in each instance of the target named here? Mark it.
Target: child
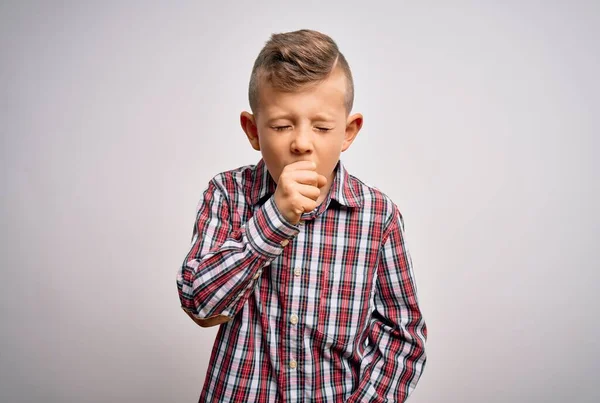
(303, 266)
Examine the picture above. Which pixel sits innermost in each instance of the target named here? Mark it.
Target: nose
(302, 141)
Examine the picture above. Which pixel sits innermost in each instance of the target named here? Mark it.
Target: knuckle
(288, 188)
(296, 201)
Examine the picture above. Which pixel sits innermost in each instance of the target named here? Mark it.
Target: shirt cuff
(268, 231)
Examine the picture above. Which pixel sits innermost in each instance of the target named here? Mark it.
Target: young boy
(303, 266)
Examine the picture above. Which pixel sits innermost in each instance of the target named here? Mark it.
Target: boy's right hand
(298, 188)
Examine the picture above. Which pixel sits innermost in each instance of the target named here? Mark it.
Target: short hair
(291, 60)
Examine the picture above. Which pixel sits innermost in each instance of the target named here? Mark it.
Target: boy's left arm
(397, 327)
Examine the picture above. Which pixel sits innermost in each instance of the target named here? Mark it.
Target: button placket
(293, 309)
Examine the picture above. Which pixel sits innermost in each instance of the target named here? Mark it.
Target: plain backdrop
(481, 122)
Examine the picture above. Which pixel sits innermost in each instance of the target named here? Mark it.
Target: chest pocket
(344, 303)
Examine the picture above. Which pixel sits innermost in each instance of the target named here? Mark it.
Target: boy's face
(309, 124)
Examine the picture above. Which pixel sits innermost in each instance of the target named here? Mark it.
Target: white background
(481, 123)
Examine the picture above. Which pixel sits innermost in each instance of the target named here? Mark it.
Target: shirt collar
(343, 189)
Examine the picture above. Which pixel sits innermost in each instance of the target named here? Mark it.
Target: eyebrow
(323, 116)
(286, 116)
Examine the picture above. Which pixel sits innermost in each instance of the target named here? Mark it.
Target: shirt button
(294, 319)
(293, 364)
(257, 275)
(284, 242)
(297, 271)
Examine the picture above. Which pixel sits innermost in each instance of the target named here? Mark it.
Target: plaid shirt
(322, 311)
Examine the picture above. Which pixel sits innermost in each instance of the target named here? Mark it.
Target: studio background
(481, 123)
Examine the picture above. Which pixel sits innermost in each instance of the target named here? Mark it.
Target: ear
(353, 126)
(248, 122)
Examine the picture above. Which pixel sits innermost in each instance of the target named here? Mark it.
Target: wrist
(287, 213)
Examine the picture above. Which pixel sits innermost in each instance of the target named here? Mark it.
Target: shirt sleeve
(397, 329)
(223, 263)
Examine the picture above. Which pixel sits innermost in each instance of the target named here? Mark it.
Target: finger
(306, 177)
(322, 181)
(309, 191)
(308, 204)
(302, 165)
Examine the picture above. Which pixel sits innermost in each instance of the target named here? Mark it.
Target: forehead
(327, 96)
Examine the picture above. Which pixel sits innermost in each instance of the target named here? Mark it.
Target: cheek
(272, 151)
(332, 143)
(272, 145)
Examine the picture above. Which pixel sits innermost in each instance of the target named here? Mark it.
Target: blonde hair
(291, 60)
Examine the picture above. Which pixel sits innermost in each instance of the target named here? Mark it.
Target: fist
(298, 188)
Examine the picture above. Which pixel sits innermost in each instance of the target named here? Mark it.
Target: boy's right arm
(221, 268)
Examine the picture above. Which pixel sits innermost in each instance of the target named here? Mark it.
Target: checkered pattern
(322, 311)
